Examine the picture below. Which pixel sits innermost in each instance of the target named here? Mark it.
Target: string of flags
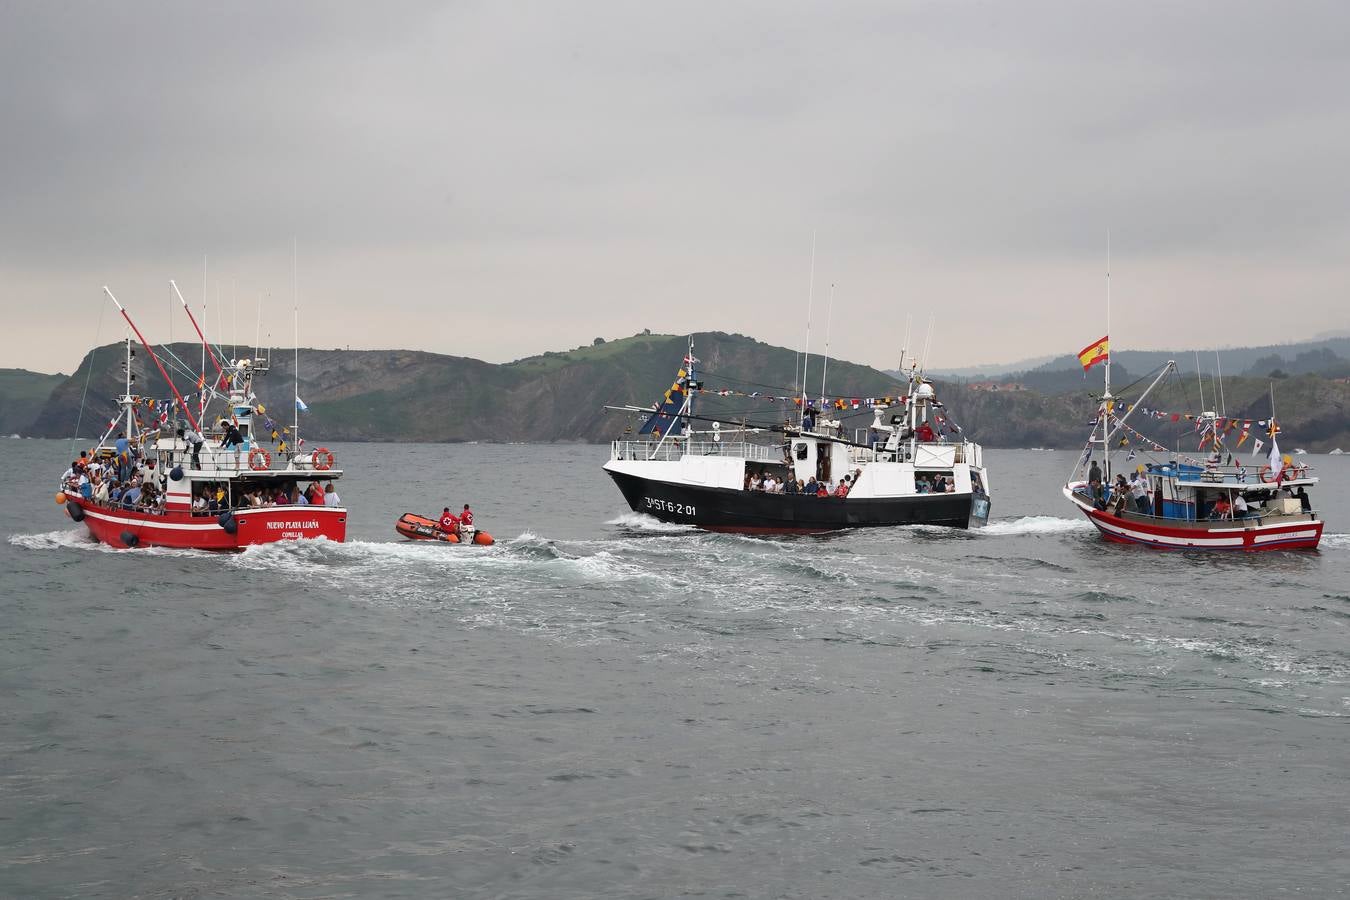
(1133, 436)
(158, 411)
(840, 403)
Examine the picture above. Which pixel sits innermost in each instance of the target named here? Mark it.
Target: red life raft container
(420, 528)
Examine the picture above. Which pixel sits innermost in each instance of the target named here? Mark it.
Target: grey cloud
(606, 158)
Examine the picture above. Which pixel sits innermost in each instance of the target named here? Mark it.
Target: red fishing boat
(178, 481)
(1175, 501)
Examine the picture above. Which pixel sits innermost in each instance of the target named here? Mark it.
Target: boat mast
(295, 302)
(689, 390)
(126, 396)
(159, 365)
(806, 363)
(201, 405)
(798, 378)
(1106, 394)
(829, 317)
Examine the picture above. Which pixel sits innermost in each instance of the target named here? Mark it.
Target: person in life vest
(467, 516)
(448, 522)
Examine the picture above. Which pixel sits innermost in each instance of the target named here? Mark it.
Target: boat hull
(261, 525)
(751, 512)
(1228, 535)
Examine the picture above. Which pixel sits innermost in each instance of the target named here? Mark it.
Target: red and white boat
(216, 498)
(1183, 503)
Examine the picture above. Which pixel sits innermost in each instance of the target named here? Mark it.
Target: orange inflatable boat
(420, 528)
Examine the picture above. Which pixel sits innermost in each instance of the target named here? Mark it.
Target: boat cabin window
(940, 482)
(803, 450)
(756, 472)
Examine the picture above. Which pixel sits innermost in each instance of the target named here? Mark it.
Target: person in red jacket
(467, 516)
(449, 524)
(925, 433)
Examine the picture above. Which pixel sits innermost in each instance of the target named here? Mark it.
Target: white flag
(1276, 464)
(1256, 450)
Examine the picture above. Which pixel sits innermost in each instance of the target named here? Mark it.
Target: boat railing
(1217, 475)
(1256, 516)
(672, 450)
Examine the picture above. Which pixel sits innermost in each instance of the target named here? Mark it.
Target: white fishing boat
(911, 466)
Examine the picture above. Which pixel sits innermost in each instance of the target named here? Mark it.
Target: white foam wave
(637, 521)
(79, 539)
(1336, 541)
(56, 540)
(1036, 525)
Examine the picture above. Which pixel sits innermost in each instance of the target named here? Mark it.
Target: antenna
(810, 299)
(797, 378)
(1223, 406)
(904, 348)
(1108, 324)
(829, 316)
(220, 319)
(928, 341)
(295, 303)
(201, 401)
(1199, 381)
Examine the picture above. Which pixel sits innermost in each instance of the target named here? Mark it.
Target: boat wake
(641, 522)
(81, 539)
(1036, 525)
(78, 538)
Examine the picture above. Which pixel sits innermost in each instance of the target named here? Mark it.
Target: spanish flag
(1094, 353)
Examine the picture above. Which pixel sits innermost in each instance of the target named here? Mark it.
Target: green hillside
(402, 395)
(22, 396)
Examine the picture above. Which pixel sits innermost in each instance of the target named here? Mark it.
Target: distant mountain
(1331, 355)
(22, 396)
(1231, 361)
(989, 371)
(403, 395)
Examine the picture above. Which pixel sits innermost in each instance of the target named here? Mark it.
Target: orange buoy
(323, 459)
(61, 497)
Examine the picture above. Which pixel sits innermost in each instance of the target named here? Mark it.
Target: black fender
(75, 511)
(130, 539)
(176, 473)
(226, 521)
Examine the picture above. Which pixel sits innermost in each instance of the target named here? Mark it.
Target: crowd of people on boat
(132, 482)
(1133, 493)
(212, 498)
(125, 481)
(768, 483)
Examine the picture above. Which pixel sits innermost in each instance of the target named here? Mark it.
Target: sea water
(604, 706)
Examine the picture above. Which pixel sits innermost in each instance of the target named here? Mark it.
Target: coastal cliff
(405, 395)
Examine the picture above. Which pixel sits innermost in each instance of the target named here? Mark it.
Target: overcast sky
(498, 179)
